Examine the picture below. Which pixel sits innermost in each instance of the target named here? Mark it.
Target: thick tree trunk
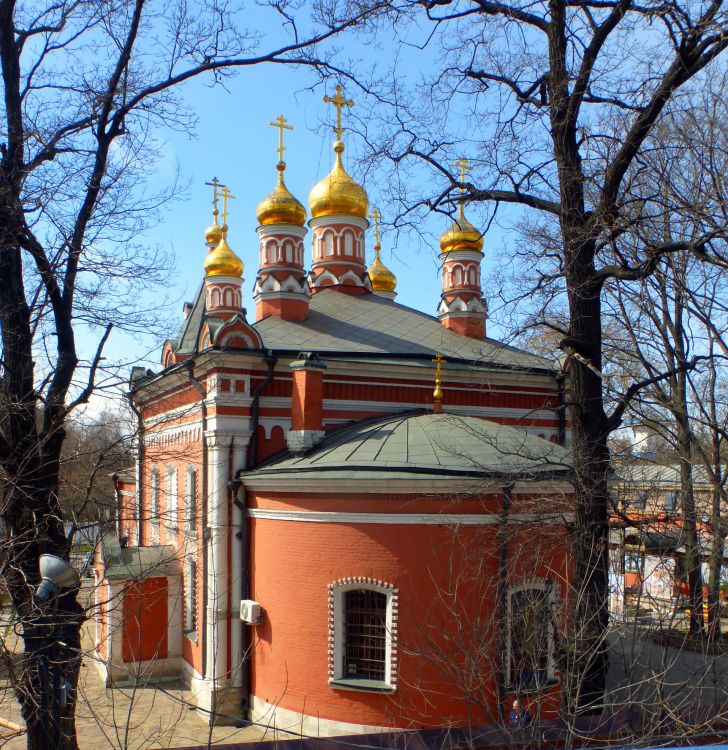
(590, 659)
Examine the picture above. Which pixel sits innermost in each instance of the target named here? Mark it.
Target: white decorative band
(406, 519)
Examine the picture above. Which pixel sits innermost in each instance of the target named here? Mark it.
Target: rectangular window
(171, 510)
(632, 561)
(154, 506)
(191, 500)
(640, 502)
(365, 635)
(670, 500)
(531, 637)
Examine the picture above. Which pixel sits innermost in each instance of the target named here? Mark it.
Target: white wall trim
(405, 519)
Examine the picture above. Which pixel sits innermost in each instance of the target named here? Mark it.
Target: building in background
(346, 514)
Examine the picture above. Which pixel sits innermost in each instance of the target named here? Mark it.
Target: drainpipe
(139, 462)
(239, 512)
(502, 599)
(203, 501)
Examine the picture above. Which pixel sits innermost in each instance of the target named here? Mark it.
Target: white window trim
(538, 584)
(337, 589)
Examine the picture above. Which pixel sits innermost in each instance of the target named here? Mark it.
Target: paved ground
(126, 718)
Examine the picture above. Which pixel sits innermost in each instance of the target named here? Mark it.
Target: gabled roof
(369, 324)
(417, 443)
(365, 325)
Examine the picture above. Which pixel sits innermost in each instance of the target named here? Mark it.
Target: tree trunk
(591, 468)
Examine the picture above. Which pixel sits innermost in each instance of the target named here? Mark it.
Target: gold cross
(339, 102)
(464, 167)
(226, 195)
(280, 123)
(215, 184)
(376, 216)
(437, 393)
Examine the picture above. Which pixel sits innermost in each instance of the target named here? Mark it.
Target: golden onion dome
(383, 280)
(338, 192)
(213, 234)
(222, 261)
(280, 207)
(461, 235)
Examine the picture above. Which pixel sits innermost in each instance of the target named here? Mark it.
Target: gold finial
(214, 184)
(280, 123)
(377, 218)
(339, 102)
(213, 233)
(463, 165)
(226, 195)
(437, 393)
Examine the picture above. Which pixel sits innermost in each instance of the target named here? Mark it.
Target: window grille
(191, 500)
(531, 637)
(365, 634)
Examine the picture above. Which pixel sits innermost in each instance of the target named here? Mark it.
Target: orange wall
(446, 578)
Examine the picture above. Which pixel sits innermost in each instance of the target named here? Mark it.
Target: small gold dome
(461, 235)
(338, 193)
(383, 280)
(213, 234)
(280, 207)
(222, 261)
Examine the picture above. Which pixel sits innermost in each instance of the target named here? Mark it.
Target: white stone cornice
(406, 519)
(281, 231)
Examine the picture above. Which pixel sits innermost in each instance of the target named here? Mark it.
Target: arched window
(531, 635)
(363, 620)
(348, 243)
(170, 516)
(191, 499)
(329, 243)
(154, 505)
(458, 275)
(471, 276)
(228, 297)
(288, 248)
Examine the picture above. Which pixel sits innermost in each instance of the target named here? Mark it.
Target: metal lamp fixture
(56, 575)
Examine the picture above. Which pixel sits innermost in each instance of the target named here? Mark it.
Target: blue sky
(233, 141)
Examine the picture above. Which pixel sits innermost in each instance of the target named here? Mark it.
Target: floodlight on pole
(56, 575)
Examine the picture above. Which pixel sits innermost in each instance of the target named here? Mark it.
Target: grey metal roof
(191, 326)
(659, 475)
(426, 443)
(137, 562)
(368, 324)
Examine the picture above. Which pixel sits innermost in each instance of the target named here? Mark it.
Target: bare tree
(84, 86)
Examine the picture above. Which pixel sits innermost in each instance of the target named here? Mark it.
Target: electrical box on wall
(251, 612)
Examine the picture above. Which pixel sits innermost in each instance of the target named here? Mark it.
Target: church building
(346, 515)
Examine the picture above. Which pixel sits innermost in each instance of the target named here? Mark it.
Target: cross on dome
(339, 102)
(226, 195)
(376, 216)
(280, 123)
